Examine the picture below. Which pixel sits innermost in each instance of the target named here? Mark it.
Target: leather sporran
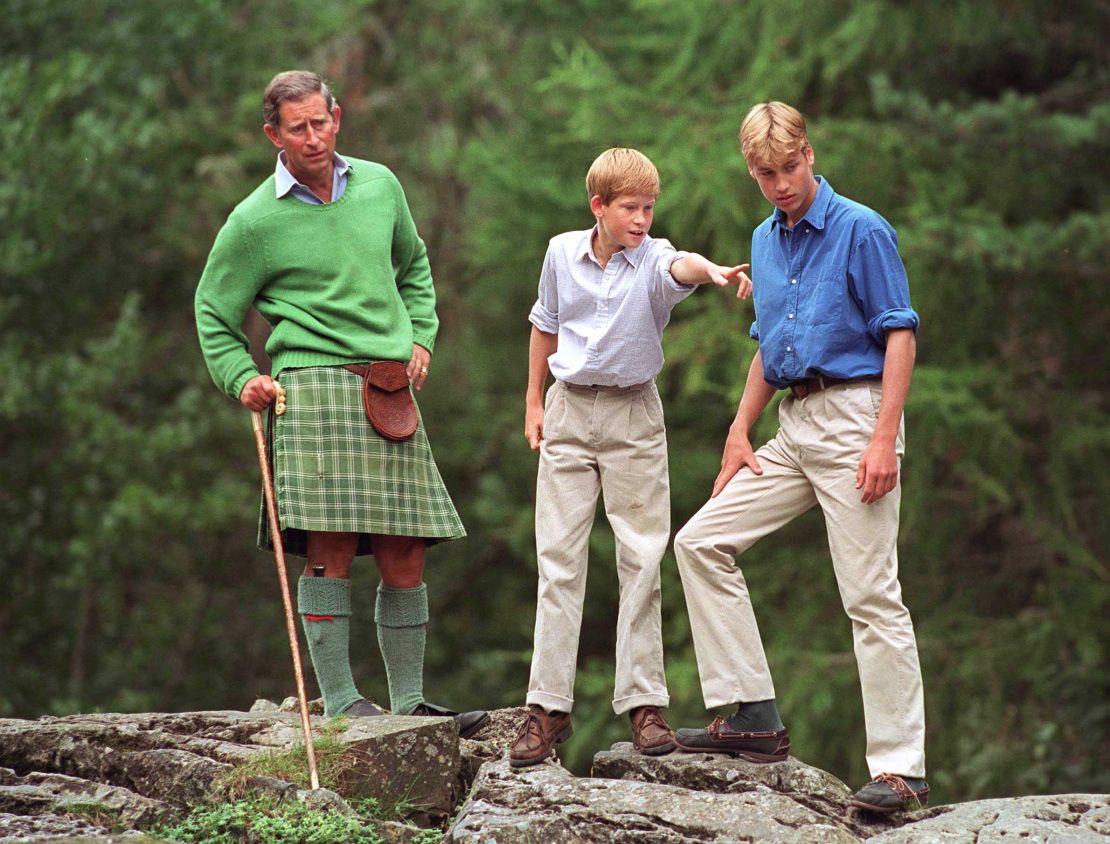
(387, 400)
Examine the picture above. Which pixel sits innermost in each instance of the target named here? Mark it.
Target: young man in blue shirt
(835, 329)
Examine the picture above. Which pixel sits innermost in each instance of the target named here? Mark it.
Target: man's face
(624, 222)
(789, 185)
(307, 135)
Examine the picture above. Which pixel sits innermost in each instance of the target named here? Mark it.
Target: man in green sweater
(328, 253)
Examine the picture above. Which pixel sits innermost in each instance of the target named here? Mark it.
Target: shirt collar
(284, 181)
(586, 250)
(815, 214)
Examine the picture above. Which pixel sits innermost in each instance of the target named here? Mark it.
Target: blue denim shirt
(827, 291)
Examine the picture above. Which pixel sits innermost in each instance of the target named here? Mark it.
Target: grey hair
(289, 86)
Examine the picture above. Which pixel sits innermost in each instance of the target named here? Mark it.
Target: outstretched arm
(738, 451)
(541, 346)
(697, 269)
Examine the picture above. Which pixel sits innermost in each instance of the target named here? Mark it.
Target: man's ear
(335, 116)
(596, 205)
(273, 135)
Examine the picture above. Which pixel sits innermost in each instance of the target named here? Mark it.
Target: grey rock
(813, 788)
(263, 705)
(38, 793)
(1056, 819)
(545, 803)
(292, 704)
(324, 800)
(181, 759)
(44, 827)
(493, 741)
(403, 759)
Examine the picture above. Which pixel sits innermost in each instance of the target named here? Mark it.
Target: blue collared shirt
(827, 291)
(284, 181)
(609, 320)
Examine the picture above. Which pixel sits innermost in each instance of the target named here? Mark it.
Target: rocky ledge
(109, 778)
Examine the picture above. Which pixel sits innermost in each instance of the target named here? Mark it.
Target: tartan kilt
(333, 472)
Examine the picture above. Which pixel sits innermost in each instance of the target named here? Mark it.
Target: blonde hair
(771, 133)
(621, 170)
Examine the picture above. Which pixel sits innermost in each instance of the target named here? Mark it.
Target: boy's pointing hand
(697, 269)
(737, 274)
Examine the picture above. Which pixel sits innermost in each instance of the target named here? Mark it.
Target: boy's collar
(586, 249)
(815, 214)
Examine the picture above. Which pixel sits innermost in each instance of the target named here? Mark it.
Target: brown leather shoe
(650, 733)
(538, 736)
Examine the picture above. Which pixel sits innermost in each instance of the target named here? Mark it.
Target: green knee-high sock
(325, 607)
(401, 615)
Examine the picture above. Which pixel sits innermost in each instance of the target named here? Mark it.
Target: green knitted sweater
(339, 283)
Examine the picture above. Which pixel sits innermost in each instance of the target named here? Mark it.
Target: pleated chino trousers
(608, 440)
(811, 461)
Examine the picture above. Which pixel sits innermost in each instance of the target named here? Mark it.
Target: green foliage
(978, 129)
(269, 822)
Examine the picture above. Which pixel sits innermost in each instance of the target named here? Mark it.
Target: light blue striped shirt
(284, 181)
(609, 321)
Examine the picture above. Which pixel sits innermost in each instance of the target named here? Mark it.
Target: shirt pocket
(828, 296)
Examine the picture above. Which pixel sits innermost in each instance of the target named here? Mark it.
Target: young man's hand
(878, 471)
(258, 393)
(697, 269)
(533, 425)
(738, 454)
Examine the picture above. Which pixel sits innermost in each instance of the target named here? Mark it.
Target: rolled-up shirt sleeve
(753, 332)
(877, 281)
(668, 290)
(545, 313)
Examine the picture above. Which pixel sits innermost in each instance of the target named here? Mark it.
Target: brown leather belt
(801, 389)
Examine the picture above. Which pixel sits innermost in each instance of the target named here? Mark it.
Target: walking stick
(279, 555)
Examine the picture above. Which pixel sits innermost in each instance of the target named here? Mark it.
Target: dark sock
(756, 717)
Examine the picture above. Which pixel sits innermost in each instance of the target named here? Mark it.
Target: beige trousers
(610, 440)
(812, 460)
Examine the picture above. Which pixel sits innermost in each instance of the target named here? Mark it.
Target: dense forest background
(980, 129)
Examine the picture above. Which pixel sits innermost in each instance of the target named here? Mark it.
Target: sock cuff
(324, 596)
(402, 607)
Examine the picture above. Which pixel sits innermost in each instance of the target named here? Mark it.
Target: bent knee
(691, 544)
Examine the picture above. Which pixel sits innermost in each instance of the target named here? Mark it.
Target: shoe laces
(896, 784)
(532, 728)
(649, 716)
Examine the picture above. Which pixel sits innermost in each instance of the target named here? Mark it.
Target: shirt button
(793, 281)
(789, 349)
(790, 316)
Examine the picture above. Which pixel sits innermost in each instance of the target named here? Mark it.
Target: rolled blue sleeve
(877, 281)
(545, 313)
(753, 332)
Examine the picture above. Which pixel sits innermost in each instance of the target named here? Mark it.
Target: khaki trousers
(610, 440)
(812, 460)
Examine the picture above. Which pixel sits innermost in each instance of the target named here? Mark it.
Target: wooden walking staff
(279, 555)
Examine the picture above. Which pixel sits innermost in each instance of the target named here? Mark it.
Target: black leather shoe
(362, 709)
(469, 722)
(891, 793)
(718, 737)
